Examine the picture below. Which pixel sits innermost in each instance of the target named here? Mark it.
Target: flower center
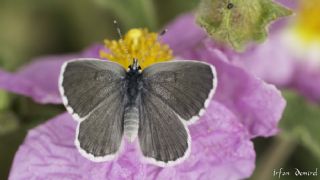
(303, 35)
(308, 22)
(137, 44)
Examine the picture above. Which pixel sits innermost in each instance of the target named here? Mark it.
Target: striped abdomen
(131, 122)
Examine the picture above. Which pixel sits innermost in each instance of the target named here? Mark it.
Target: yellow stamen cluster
(308, 21)
(139, 44)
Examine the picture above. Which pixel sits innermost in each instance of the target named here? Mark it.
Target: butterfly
(153, 105)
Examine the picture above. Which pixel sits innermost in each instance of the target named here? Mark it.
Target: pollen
(137, 44)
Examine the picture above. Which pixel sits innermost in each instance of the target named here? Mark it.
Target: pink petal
(269, 61)
(258, 105)
(39, 80)
(306, 80)
(183, 33)
(221, 149)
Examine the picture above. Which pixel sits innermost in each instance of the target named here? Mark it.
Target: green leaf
(302, 120)
(240, 22)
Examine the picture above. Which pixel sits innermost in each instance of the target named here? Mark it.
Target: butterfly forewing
(185, 86)
(94, 93)
(85, 83)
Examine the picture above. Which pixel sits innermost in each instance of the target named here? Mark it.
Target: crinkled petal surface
(39, 79)
(221, 149)
(258, 105)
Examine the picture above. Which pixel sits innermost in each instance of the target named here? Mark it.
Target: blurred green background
(40, 27)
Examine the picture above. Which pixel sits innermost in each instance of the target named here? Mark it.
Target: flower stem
(275, 157)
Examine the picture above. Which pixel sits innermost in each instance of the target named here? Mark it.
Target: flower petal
(180, 39)
(289, 3)
(306, 80)
(269, 61)
(221, 149)
(39, 80)
(258, 105)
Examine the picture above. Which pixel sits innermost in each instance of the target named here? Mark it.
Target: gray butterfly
(155, 105)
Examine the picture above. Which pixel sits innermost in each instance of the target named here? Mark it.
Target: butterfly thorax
(131, 114)
(133, 81)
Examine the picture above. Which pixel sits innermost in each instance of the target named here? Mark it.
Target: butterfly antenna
(118, 28)
(161, 34)
(121, 39)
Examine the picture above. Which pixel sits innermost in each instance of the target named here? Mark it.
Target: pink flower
(274, 61)
(244, 107)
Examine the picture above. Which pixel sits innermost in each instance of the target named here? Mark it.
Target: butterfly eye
(139, 67)
(230, 6)
(129, 67)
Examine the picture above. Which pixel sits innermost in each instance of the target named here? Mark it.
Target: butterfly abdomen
(131, 122)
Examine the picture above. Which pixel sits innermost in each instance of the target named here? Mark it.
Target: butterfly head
(134, 67)
(137, 48)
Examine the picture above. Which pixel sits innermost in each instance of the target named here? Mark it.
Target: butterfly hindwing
(163, 138)
(94, 92)
(99, 136)
(185, 86)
